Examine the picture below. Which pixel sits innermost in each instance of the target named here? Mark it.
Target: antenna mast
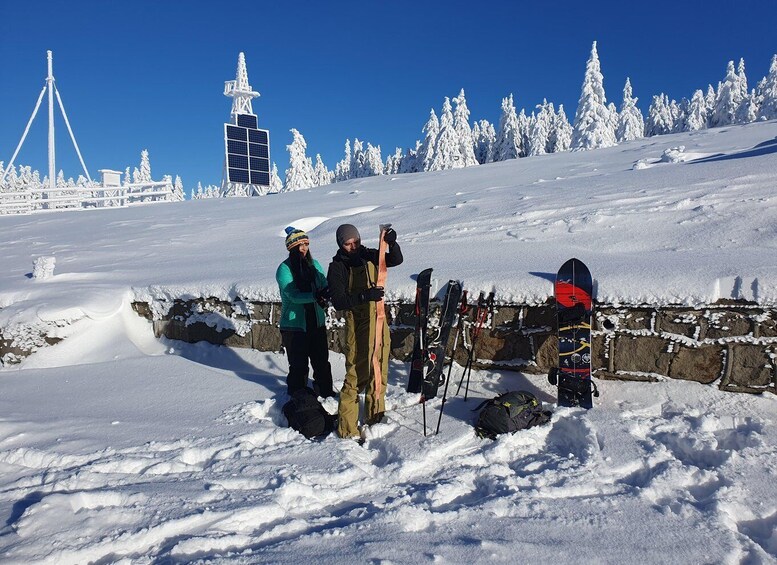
(52, 90)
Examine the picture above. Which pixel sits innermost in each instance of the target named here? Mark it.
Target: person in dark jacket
(304, 296)
(352, 277)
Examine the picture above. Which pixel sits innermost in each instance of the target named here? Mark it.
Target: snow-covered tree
(509, 140)
(426, 151)
(410, 160)
(659, 120)
(276, 184)
(728, 98)
(178, 191)
(373, 161)
(321, 174)
(767, 93)
(592, 128)
(697, 113)
(631, 124)
(343, 167)
(484, 139)
(300, 172)
(393, 162)
(447, 155)
(540, 126)
(144, 175)
(561, 134)
(463, 131)
(358, 159)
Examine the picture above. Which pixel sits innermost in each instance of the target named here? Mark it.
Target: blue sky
(150, 74)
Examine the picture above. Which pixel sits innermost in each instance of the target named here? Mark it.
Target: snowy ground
(116, 447)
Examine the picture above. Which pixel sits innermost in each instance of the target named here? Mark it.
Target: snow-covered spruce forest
(451, 141)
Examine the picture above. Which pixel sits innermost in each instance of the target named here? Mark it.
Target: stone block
(750, 366)
(539, 317)
(767, 324)
(642, 354)
(688, 323)
(265, 337)
(721, 324)
(264, 313)
(701, 364)
(546, 350)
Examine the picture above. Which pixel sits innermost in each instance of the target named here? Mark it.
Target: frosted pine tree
(539, 129)
(127, 176)
(484, 136)
(767, 93)
(593, 124)
(463, 131)
(358, 159)
(276, 184)
(709, 101)
(509, 141)
(321, 174)
(561, 134)
(659, 119)
(178, 191)
(343, 167)
(678, 116)
(393, 162)
(144, 175)
(373, 161)
(410, 160)
(697, 113)
(631, 124)
(446, 155)
(300, 172)
(728, 98)
(426, 150)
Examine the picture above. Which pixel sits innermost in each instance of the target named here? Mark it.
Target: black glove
(390, 236)
(373, 294)
(323, 296)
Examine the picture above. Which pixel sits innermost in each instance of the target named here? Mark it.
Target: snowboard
(438, 340)
(574, 307)
(420, 350)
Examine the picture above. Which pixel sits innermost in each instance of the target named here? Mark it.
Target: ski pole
(462, 310)
(474, 333)
(481, 322)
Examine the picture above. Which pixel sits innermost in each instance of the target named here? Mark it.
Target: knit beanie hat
(295, 237)
(346, 232)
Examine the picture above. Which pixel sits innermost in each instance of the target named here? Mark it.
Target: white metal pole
(24, 135)
(52, 158)
(73, 137)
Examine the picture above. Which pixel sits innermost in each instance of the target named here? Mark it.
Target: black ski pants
(308, 347)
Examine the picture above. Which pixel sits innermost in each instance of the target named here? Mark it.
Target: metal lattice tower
(240, 91)
(247, 148)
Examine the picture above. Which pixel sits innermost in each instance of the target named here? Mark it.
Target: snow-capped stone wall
(732, 344)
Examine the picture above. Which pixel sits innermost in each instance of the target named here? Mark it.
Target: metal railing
(75, 198)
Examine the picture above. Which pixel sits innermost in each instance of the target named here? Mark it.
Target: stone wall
(732, 344)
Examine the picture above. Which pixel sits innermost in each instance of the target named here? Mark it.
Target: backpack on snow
(510, 412)
(306, 414)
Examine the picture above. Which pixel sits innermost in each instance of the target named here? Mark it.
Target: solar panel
(247, 151)
(247, 121)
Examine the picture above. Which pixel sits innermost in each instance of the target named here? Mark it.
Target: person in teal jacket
(304, 296)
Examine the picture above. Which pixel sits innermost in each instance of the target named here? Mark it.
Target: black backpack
(306, 415)
(510, 412)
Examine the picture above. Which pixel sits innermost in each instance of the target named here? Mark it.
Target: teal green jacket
(293, 300)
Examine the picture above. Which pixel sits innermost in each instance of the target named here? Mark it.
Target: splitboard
(574, 308)
(418, 362)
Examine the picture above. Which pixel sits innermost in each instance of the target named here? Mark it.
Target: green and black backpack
(509, 412)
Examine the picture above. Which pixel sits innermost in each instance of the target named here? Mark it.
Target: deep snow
(117, 447)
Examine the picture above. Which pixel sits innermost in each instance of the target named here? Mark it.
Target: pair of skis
(430, 347)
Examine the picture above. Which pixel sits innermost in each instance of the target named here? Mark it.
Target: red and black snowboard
(574, 308)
